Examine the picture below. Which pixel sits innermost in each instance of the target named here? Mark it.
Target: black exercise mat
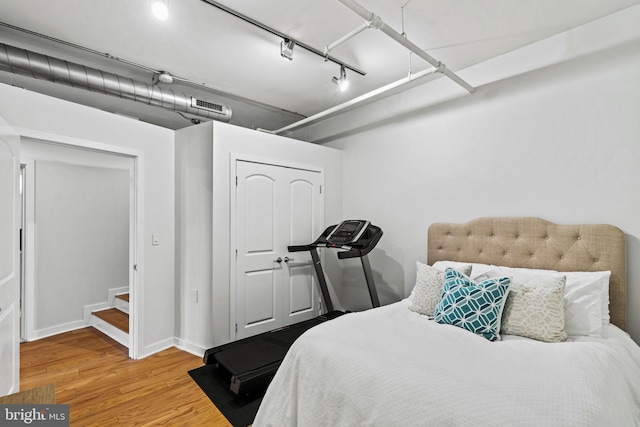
(239, 410)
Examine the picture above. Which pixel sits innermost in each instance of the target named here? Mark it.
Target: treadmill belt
(287, 336)
(250, 356)
(262, 350)
(251, 363)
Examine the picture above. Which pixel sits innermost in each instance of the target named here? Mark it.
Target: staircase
(114, 322)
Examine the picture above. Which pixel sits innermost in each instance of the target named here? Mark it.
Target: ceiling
(228, 60)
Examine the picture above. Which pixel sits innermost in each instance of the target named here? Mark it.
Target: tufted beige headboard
(536, 243)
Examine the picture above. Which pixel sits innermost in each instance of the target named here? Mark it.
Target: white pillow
(585, 295)
(476, 268)
(483, 269)
(427, 291)
(592, 281)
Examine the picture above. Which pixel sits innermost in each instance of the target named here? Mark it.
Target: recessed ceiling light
(160, 9)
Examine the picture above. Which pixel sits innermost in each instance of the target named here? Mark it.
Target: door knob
(287, 259)
(279, 260)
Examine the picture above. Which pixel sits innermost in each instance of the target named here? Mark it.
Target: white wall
(203, 168)
(38, 113)
(194, 253)
(554, 133)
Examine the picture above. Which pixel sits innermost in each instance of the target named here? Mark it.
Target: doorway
(90, 162)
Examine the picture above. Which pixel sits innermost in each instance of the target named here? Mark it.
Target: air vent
(205, 105)
(218, 111)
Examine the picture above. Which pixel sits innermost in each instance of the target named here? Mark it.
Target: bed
(394, 365)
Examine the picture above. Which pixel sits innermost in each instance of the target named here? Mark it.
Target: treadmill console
(347, 231)
(355, 237)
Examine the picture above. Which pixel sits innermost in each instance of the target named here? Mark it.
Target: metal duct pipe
(371, 17)
(39, 66)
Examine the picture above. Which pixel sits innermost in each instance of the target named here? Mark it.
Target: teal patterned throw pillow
(476, 307)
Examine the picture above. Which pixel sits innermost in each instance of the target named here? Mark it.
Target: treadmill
(250, 363)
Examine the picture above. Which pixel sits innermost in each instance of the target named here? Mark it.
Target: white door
(9, 261)
(275, 207)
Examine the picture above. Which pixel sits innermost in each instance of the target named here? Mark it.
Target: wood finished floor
(103, 387)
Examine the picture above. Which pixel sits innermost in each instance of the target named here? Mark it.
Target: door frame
(233, 159)
(10, 268)
(27, 288)
(136, 223)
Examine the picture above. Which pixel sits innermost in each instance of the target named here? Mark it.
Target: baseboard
(189, 347)
(59, 329)
(156, 348)
(179, 343)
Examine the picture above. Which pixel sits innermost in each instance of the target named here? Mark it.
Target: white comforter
(393, 367)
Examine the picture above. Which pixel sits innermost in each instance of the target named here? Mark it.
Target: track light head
(341, 81)
(286, 49)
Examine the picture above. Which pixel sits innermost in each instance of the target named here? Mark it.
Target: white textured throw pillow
(535, 309)
(427, 292)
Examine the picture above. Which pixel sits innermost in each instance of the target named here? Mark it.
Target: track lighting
(286, 48)
(160, 9)
(341, 81)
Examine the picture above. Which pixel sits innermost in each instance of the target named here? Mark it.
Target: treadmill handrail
(300, 248)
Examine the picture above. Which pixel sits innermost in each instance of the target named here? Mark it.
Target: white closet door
(9, 262)
(276, 207)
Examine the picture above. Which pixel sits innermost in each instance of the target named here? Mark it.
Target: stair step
(114, 317)
(123, 297)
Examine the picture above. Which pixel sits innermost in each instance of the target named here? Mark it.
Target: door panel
(304, 201)
(259, 207)
(260, 297)
(301, 206)
(258, 275)
(276, 207)
(301, 288)
(9, 261)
